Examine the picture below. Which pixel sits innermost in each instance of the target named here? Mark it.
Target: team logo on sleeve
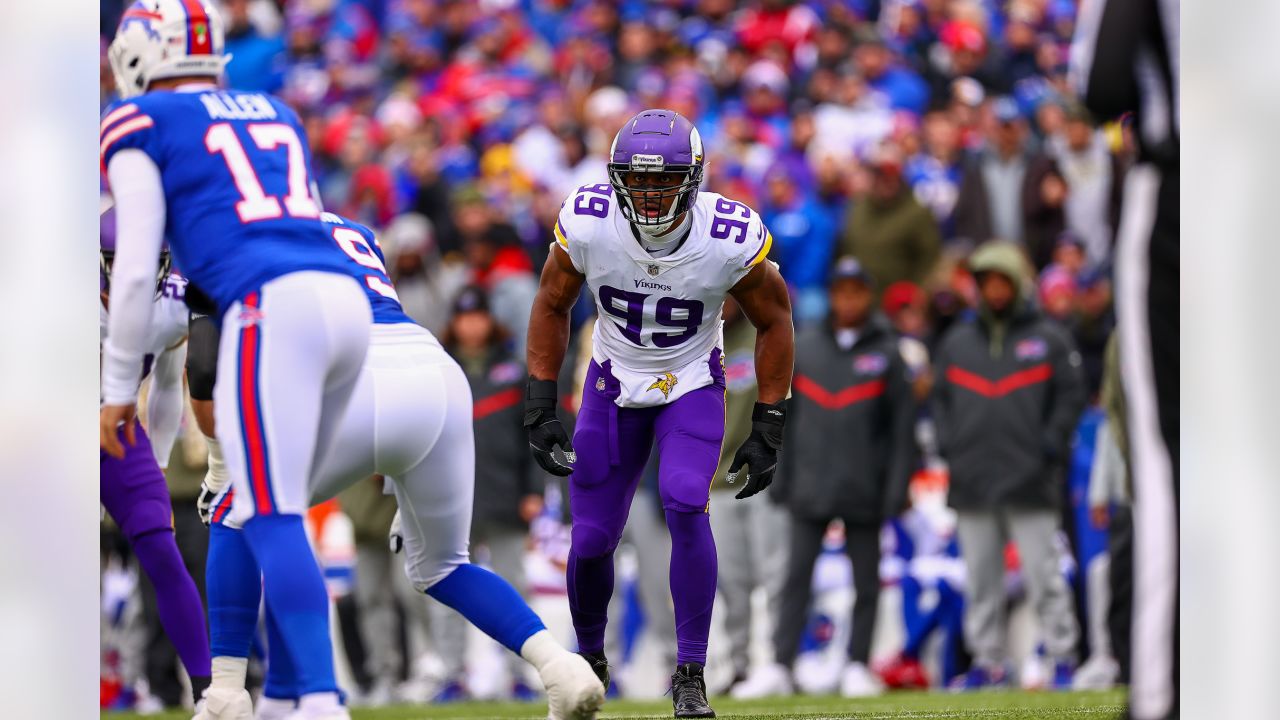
(1031, 349)
(665, 382)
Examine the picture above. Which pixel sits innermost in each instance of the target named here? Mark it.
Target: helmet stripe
(199, 34)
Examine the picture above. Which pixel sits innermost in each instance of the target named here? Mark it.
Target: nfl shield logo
(653, 270)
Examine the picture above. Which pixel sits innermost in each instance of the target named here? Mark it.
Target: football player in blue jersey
(226, 177)
(409, 419)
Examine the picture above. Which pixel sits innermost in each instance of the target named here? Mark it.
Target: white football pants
(288, 361)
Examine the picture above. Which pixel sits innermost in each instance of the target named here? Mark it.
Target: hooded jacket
(1007, 395)
(849, 450)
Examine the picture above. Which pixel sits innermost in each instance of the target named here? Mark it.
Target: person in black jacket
(1008, 393)
(509, 484)
(850, 431)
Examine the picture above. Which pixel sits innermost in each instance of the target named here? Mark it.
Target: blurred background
(902, 133)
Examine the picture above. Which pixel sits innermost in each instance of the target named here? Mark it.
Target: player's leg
(133, 490)
(689, 433)
(234, 589)
(280, 690)
(290, 356)
(435, 496)
(1147, 301)
(613, 446)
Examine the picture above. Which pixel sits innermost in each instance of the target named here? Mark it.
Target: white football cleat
(274, 708)
(225, 704)
(857, 681)
(764, 681)
(573, 690)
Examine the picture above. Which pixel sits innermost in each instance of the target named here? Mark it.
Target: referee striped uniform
(1125, 60)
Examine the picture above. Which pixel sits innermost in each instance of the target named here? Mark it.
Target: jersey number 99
(357, 248)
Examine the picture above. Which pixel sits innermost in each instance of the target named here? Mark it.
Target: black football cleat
(689, 692)
(600, 666)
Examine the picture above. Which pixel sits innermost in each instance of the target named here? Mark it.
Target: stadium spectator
(750, 536)
(1094, 177)
(934, 172)
(1008, 395)
(851, 455)
(889, 231)
(903, 88)
(803, 241)
(508, 482)
(378, 572)
(1010, 193)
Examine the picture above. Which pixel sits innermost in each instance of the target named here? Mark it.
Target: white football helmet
(166, 38)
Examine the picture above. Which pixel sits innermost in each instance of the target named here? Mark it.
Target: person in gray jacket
(852, 414)
(1009, 390)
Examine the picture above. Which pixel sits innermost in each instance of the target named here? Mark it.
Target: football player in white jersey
(132, 487)
(660, 257)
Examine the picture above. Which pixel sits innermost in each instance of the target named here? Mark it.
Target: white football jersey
(660, 318)
(169, 315)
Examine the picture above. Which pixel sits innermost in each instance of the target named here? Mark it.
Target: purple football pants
(134, 492)
(613, 447)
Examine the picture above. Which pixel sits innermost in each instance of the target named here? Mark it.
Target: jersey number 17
(255, 203)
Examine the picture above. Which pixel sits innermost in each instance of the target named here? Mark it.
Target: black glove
(760, 451)
(545, 430)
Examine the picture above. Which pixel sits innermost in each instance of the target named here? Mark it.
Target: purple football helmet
(656, 141)
(107, 254)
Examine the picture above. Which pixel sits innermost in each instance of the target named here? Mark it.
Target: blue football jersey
(236, 171)
(369, 266)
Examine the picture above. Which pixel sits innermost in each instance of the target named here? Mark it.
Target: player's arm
(549, 320)
(140, 218)
(548, 338)
(164, 401)
(763, 296)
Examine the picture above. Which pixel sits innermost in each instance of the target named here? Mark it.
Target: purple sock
(177, 600)
(693, 582)
(590, 586)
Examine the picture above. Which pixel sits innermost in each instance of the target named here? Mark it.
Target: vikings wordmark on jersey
(659, 317)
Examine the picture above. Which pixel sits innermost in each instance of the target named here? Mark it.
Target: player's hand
(395, 537)
(204, 503)
(110, 417)
(760, 452)
(545, 430)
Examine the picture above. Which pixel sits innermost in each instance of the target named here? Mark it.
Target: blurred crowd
(896, 135)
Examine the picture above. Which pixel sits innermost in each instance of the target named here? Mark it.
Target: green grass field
(1012, 705)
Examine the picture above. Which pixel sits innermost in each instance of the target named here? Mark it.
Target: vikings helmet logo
(665, 384)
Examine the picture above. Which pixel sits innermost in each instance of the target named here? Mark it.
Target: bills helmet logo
(144, 18)
(1031, 349)
(665, 382)
(870, 363)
